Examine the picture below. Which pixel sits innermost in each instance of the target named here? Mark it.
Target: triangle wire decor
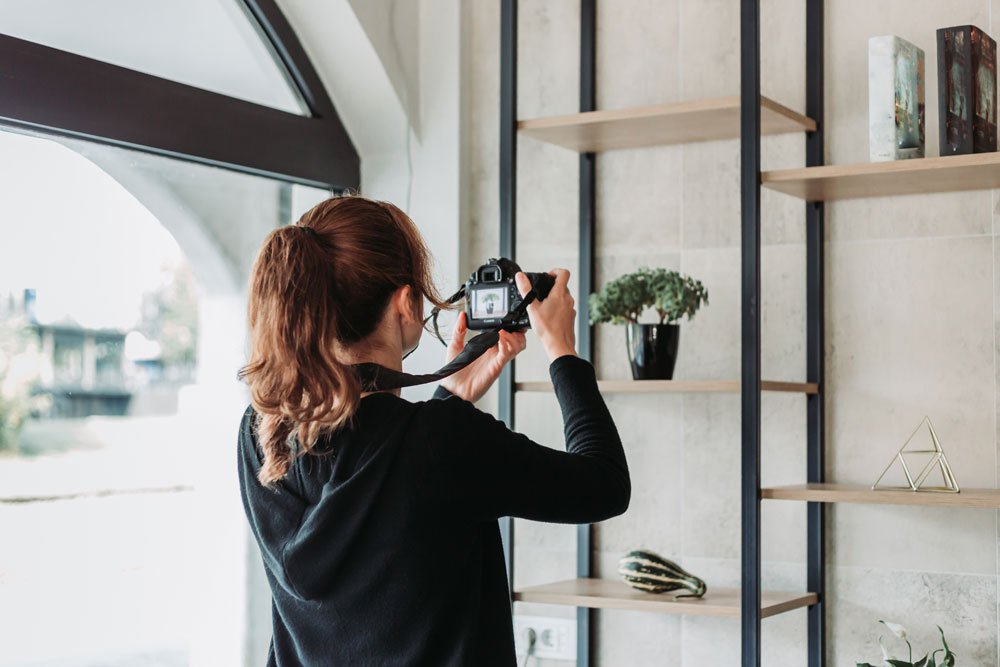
(937, 460)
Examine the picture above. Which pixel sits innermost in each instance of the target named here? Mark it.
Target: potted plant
(491, 302)
(652, 348)
(947, 658)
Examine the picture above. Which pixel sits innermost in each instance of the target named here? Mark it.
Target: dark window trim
(56, 92)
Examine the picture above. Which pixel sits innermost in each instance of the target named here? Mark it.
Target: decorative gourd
(649, 571)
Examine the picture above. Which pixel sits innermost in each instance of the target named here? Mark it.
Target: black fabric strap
(375, 377)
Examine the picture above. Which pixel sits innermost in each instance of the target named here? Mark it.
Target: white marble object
(895, 99)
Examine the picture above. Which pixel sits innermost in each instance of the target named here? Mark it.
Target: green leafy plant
(929, 660)
(671, 294)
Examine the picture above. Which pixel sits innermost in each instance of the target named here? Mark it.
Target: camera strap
(375, 377)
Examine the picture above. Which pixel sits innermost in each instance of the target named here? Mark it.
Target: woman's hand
(474, 380)
(554, 318)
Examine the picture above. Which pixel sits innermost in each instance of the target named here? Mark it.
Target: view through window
(122, 325)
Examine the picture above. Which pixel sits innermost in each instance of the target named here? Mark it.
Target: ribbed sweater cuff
(570, 369)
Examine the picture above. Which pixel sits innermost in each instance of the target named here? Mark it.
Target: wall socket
(555, 637)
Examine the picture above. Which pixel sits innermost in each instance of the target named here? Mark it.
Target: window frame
(47, 90)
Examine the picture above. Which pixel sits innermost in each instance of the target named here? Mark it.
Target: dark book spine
(955, 90)
(984, 81)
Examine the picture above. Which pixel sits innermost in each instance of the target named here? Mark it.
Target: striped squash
(649, 571)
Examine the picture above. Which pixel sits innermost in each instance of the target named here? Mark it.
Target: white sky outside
(210, 44)
(73, 233)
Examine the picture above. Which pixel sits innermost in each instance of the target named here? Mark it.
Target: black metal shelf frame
(508, 247)
(750, 136)
(750, 179)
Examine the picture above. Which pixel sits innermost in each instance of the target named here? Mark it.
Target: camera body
(491, 293)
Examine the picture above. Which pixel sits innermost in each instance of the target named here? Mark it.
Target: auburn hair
(326, 279)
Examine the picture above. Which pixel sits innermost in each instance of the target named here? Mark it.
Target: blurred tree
(170, 316)
(20, 371)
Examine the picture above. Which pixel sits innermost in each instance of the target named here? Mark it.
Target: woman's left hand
(474, 380)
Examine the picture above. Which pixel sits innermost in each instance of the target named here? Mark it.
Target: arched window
(146, 148)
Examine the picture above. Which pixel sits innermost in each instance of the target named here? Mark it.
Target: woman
(376, 516)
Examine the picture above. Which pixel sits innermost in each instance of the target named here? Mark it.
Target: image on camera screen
(489, 303)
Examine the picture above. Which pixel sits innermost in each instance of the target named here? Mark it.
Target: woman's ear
(409, 304)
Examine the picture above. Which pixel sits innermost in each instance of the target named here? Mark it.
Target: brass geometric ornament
(935, 459)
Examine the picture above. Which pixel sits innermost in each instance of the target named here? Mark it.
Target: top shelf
(952, 173)
(682, 122)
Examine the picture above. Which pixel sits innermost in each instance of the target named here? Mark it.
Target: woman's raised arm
(488, 471)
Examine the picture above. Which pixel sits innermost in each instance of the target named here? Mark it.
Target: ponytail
(323, 281)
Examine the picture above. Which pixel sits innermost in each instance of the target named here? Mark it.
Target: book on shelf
(895, 99)
(967, 90)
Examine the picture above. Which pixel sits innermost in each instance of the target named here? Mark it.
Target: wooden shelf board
(683, 122)
(613, 594)
(857, 493)
(678, 386)
(879, 179)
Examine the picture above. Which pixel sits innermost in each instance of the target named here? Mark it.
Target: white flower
(895, 628)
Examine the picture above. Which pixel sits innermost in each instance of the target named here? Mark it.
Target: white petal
(896, 629)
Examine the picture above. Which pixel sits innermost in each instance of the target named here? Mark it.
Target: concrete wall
(393, 72)
(911, 327)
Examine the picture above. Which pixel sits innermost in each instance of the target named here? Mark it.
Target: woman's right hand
(554, 318)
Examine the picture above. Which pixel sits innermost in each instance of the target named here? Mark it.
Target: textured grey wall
(911, 326)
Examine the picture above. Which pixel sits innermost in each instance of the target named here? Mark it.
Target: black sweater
(384, 548)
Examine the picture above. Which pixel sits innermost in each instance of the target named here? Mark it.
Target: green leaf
(949, 658)
(922, 662)
(671, 294)
(944, 642)
(899, 663)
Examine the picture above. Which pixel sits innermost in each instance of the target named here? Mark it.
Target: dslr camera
(490, 294)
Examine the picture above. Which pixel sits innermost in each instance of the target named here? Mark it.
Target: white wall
(368, 76)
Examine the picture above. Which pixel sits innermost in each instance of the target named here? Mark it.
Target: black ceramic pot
(652, 350)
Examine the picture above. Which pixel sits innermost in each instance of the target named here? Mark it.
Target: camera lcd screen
(489, 303)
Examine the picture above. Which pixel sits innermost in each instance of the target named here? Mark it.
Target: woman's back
(384, 549)
(366, 561)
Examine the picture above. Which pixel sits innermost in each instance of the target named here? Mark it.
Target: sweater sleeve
(441, 392)
(490, 471)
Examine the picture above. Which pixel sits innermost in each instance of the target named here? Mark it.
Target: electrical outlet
(555, 638)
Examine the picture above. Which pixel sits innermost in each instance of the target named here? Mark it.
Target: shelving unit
(747, 116)
(606, 594)
(817, 183)
(700, 120)
(639, 127)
